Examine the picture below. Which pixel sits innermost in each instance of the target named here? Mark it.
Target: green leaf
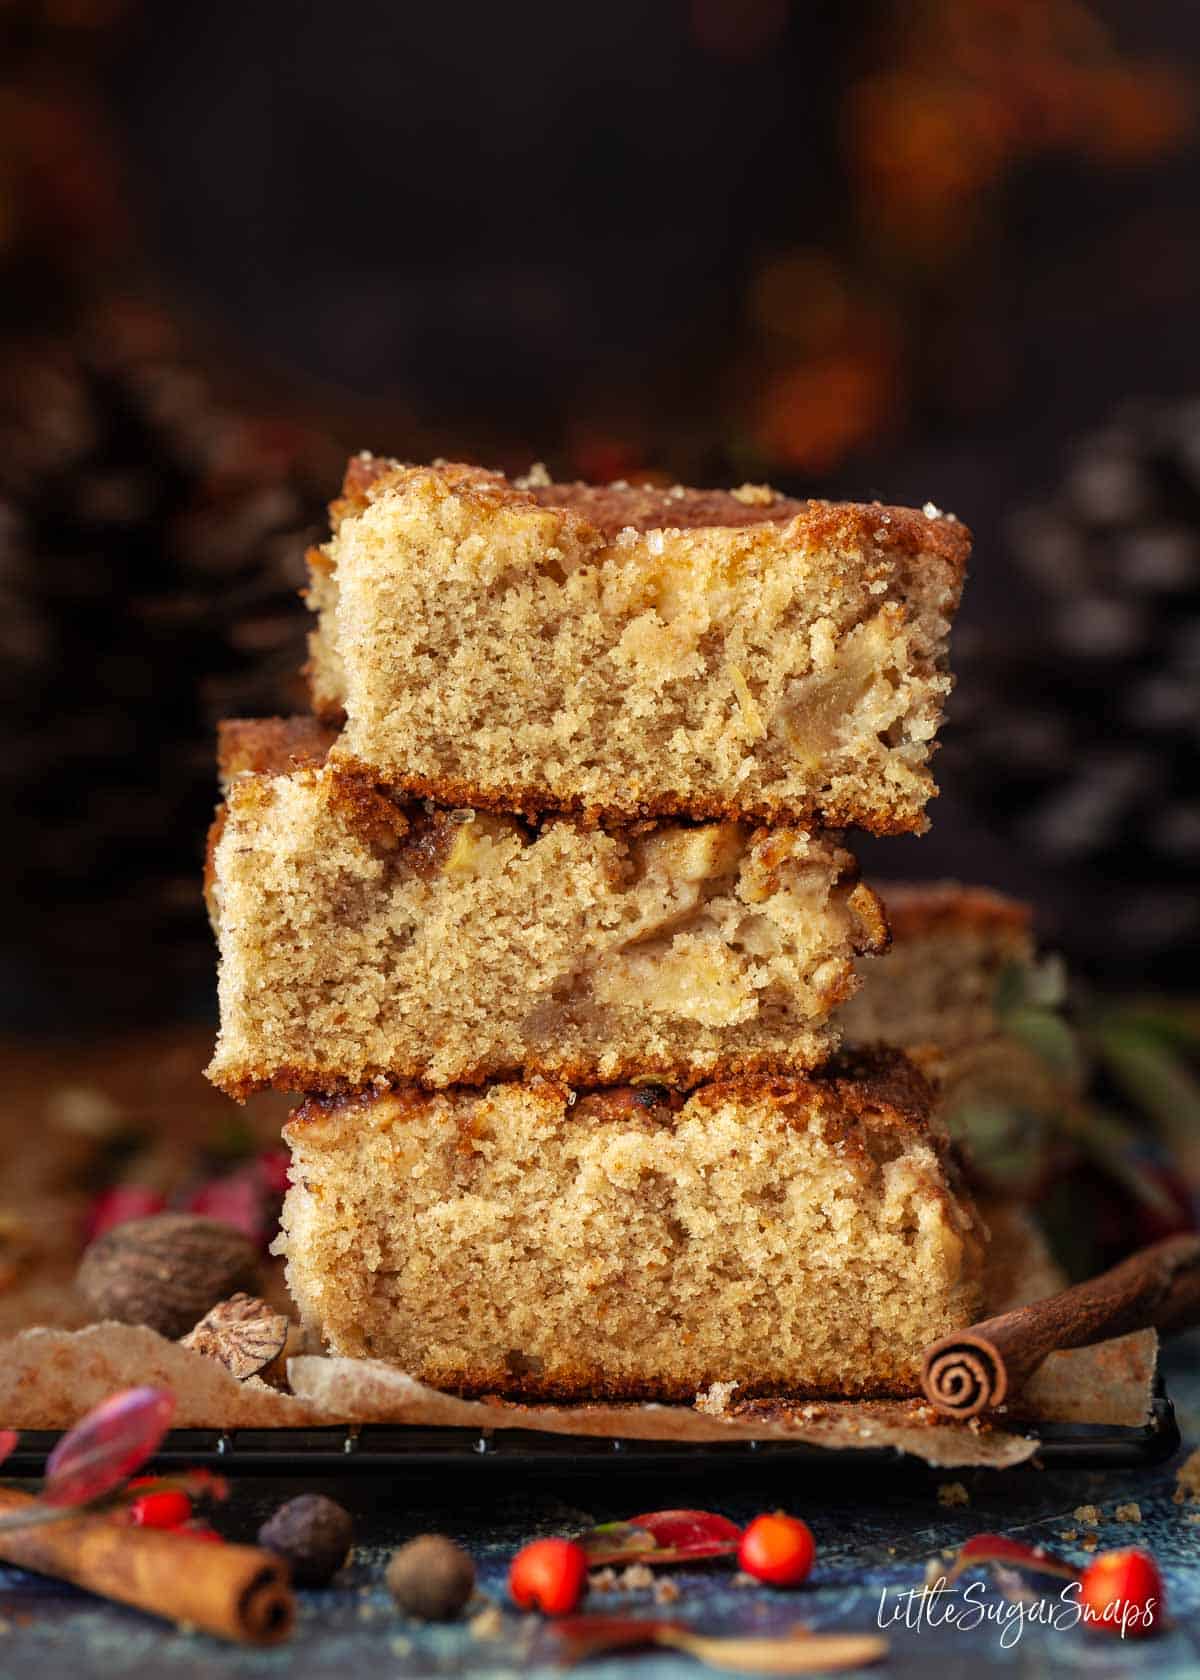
(1006, 1142)
(1154, 1077)
(1174, 1026)
(1049, 1037)
(1036, 985)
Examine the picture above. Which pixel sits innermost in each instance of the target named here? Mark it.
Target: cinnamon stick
(977, 1369)
(236, 1592)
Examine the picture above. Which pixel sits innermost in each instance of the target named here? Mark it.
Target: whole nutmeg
(313, 1534)
(244, 1334)
(166, 1271)
(431, 1578)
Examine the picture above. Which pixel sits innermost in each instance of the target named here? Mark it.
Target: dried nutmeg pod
(314, 1536)
(166, 1271)
(431, 1578)
(244, 1333)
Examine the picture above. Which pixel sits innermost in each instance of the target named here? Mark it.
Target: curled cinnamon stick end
(977, 1369)
(964, 1375)
(266, 1610)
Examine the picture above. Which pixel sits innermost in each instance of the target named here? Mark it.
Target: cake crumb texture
(624, 652)
(805, 1236)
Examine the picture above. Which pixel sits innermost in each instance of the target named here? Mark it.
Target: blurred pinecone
(151, 543)
(1077, 730)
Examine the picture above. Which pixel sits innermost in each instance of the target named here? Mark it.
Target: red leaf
(1018, 1554)
(107, 1445)
(8, 1440)
(687, 1528)
(662, 1537)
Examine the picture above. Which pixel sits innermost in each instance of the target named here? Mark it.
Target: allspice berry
(166, 1270)
(312, 1534)
(431, 1578)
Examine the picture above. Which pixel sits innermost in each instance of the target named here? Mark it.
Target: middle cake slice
(366, 938)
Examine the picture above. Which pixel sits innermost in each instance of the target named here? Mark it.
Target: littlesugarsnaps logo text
(938, 1605)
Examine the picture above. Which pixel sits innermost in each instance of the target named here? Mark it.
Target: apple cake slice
(624, 652)
(962, 992)
(364, 938)
(806, 1236)
(951, 946)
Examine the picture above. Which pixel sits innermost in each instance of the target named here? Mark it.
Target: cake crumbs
(666, 1591)
(1131, 1513)
(753, 495)
(741, 1579)
(602, 1580)
(488, 1624)
(1090, 1542)
(715, 1399)
(1068, 1534)
(953, 1493)
(1092, 1515)
(636, 1578)
(932, 511)
(537, 478)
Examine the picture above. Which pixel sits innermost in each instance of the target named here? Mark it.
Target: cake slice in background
(368, 939)
(803, 1236)
(962, 991)
(633, 652)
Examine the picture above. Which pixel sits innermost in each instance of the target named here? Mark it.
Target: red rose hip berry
(548, 1575)
(1122, 1593)
(778, 1549)
(168, 1508)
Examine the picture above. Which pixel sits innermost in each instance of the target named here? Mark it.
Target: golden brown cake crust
(825, 812)
(855, 1084)
(918, 908)
(648, 507)
(267, 746)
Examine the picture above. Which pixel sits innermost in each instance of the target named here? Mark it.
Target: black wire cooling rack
(383, 1449)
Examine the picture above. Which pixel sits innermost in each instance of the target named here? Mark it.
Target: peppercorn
(431, 1578)
(313, 1535)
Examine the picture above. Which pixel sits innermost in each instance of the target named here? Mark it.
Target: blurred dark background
(935, 250)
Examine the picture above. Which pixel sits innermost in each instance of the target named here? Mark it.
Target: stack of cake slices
(547, 912)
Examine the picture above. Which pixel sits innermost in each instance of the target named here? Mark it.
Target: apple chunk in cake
(636, 652)
(805, 1236)
(363, 939)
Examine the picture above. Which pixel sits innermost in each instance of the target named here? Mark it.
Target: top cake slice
(622, 652)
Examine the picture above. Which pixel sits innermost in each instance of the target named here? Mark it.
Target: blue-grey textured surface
(874, 1533)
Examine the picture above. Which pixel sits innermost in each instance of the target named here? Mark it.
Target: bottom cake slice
(805, 1236)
